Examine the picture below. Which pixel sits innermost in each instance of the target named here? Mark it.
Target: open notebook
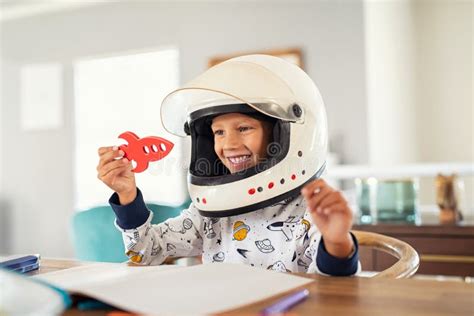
(174, 290)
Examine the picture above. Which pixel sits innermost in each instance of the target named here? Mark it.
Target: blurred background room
(396, 77)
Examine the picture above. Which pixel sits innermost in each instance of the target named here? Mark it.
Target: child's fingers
(112, 166)
(103, 150)
(109, 157)
(112, 175)
(316, 198)
(340, 207)
(332, 208)
(333, 197)
(313, 187)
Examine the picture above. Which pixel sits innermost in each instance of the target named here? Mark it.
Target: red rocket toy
(144, 150)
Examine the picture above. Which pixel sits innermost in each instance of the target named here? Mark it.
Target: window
(118, 94)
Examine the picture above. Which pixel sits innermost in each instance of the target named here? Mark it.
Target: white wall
(419, 63)
(3, 218)
(1, 130)
(39, 184)
(445, 53)
(445, 86)
(391, 93)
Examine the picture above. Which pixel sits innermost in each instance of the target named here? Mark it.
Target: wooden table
(352, 296)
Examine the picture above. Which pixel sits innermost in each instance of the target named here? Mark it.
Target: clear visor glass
(229, 83)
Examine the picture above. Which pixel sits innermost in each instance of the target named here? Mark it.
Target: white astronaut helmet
(265, 87)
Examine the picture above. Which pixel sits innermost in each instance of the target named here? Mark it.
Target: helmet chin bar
(250, 208)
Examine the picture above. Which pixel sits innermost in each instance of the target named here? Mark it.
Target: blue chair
(96, 238)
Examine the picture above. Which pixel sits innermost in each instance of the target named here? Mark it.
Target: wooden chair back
(408, 259)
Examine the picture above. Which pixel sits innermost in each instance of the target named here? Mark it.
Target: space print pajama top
(280, 237)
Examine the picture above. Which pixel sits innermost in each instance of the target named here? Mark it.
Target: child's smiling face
(240, 141)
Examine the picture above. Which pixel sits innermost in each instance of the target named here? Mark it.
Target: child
(259, 137)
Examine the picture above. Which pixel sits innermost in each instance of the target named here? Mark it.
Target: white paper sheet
(173, 290)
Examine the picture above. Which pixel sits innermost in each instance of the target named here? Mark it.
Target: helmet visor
(231, 82)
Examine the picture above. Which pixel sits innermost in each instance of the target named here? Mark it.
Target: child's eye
(244, 128)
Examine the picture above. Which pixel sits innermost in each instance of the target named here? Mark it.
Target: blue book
(21, 264)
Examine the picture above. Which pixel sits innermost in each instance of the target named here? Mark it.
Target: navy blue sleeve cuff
(331, 265)
(132, 215)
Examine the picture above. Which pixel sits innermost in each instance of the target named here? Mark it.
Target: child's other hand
(332, 215)
(116, 172)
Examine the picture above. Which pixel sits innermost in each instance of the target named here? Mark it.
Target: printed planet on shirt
(240, 230)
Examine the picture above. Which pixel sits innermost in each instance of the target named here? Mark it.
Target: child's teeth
(238, 159)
